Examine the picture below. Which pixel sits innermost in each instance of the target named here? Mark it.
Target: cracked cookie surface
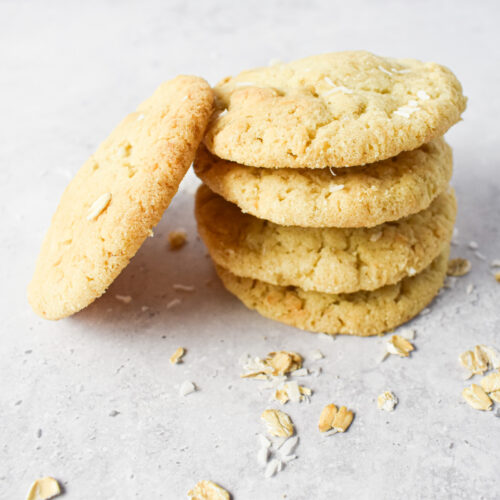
(359, 313)
(353, 197)
(330, 260)
(339, 109)
(117, 196)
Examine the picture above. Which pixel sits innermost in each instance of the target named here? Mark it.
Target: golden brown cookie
(119, 194)
(353, 197)
(330, 260)
(360, 313)
(339, 110)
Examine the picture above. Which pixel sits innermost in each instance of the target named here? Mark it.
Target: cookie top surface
(330, 260)
(360, 313)
(118, 195)
(338, 109)
(354, 197)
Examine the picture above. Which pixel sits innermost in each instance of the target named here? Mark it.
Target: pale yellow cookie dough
(353, 197)
(338, 109)
(119, 194)
(360, 313)
(330, 260)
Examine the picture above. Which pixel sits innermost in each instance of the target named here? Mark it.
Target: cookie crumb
(177, 239)
(497, 277)
(177, 355)
(208, 490)
(335, 420)
(43, 489)
(99, 206)
(458, 267)
(387, 401)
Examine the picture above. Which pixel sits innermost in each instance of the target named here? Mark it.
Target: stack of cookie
(326, 202)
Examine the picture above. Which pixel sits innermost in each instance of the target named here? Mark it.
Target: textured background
(68, 74)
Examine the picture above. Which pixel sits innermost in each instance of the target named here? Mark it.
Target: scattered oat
(126, 299)
(478, 361)
(473, 245)
(186, 388)
(342, 419)
(208, 490)
(177, 239)
(477, 398)
(98, 206)
(177, 355)
(491, 383)
(43, 489)
(183, 288)
(493, 356)
(458, 267)
(399, 345)
(326, 417)
(495, 396)
(387, 401)
(277, 423)
(469, 289)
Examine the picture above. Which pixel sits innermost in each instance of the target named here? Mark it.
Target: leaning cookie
(354, 197)
(119, 194)
(330, 260)
(339, 110)
(360, 313)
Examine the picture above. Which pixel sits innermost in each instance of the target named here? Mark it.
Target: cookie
(119, 194)
(329, 260)
(339, 110)
(345, 197)
(360, 313)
